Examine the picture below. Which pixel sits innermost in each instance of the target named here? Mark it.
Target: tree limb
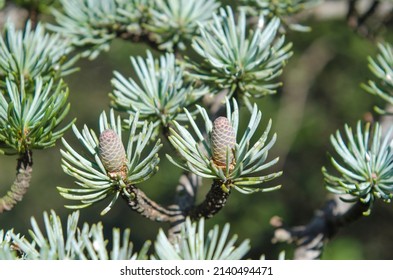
(214, 201)
(311, 238)
(143, 205)
(21, 182)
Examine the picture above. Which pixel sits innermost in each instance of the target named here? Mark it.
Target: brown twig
(358, 21)
(370, 11)
(185, 206)
(34, 13)
(21, 182)
(142, 37)
(352, 14)
(214, 201)
(143, 205)
(311, 238)
(13, 13)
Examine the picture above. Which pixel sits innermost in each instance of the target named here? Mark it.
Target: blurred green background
(334, 98)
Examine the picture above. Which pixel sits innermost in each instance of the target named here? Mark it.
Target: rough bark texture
(143, 205)
(310, 239)
(184, 205)
(21, 182)
(214, 201)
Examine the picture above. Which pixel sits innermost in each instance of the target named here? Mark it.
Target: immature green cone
(223, 137)
(112, 153)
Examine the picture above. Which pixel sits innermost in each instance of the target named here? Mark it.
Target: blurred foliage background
(303, 124)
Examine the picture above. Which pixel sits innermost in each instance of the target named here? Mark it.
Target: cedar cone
(222, 137)
(112, 153)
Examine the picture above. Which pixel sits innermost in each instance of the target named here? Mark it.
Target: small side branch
(325, 223)
(358, 21)
(33, 15)
(21, 183)
(369, 13)
(140, 203)
(214, 201)
(184, 205)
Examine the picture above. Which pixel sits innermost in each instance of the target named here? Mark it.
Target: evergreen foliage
(382, 68)
(174, 23)
(90, 24)
(26, 55)
(95, 180)
(281, 9)
(89, 243)
(202, 59)
(243, 61)
(86, 243)
(243, 160)
(159, 92)
(365, 165)
(194, 245)
(28, 120)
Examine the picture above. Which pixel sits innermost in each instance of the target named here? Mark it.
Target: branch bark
(148, 208)
(21, 183)
(358, 20)
(214, 201)
(311, 238)
(185, 206)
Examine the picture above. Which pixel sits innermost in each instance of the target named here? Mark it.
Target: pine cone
(112, 152)
(222, 137)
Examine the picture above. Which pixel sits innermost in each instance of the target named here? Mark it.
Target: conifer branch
(21, 183)
(139, 202)
(193, 244)
(217, 156)
(311, 238)
(214, 201)
(357, 19)
(105, 168)
(143, 205)
(70, 242)
(283, 9)
(364, 168)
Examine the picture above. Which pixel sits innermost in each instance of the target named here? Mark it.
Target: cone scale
(223, 138)
(112, 153)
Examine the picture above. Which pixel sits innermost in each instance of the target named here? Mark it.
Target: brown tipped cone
(112, 153)
(222, 137)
